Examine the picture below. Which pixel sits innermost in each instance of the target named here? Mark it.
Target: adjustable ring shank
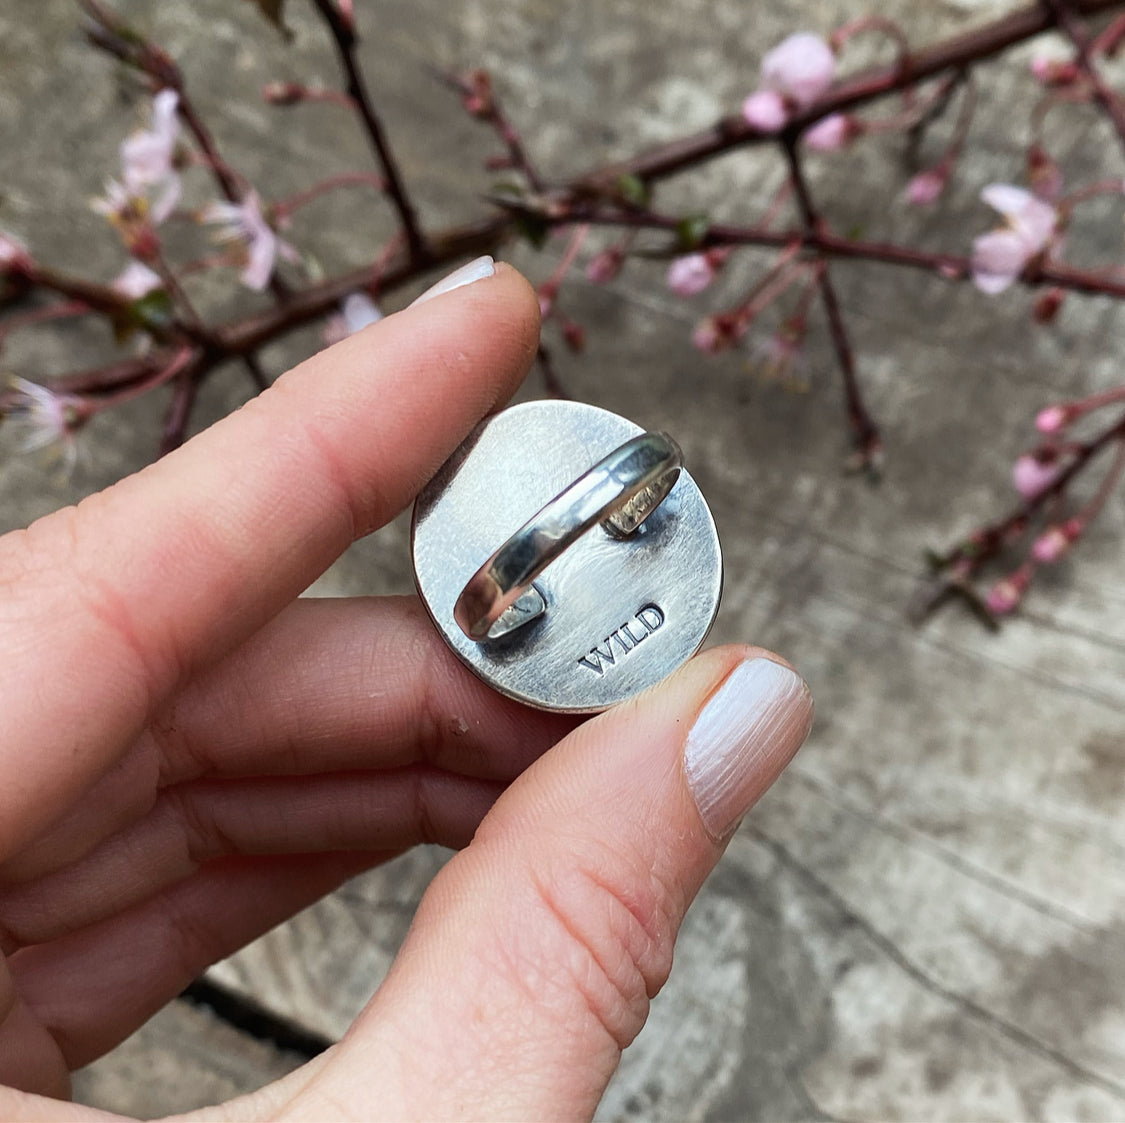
(619, 492)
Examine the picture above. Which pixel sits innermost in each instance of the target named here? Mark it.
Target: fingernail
(744, 736)
(466, 275)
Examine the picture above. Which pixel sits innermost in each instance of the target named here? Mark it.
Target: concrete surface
(924, 919)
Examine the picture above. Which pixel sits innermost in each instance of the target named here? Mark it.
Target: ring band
(619, 492)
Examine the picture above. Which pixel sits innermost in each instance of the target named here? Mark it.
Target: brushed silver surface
(619, 613)
(620, 491)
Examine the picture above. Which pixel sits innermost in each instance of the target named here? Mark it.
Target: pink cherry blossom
(136, 280)
(245, 223)
(47, 419)
(926, 187)
(1033, 476)
(1000, 256)
(829, 134)
(690, 274)
(800, 68)
(147, 157)
(765, 110)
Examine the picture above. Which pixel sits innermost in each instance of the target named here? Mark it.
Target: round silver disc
(620, 613)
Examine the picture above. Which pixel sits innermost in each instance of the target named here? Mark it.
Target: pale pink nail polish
(743, 737)
(475, 271)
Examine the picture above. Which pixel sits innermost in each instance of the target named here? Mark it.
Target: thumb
(535, 952)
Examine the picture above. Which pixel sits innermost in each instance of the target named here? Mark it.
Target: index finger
(109, 605)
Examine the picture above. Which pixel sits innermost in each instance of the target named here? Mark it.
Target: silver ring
(620, 492)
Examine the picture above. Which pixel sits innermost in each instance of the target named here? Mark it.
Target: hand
(188, 755)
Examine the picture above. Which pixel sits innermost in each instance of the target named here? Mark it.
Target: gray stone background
(923, 919)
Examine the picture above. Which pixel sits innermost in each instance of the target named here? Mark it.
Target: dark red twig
(955, 53)
(1073, 28)
(344, 36)
(864, 429)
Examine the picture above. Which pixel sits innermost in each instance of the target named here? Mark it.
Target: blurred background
(924, 918)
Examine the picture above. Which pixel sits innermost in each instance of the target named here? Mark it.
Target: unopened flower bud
(283, 93)
(605, 266)
(142, 242)
(1054, 72)
(478, 100)
(1006, 594)
(1052, 419)
(574, 335)
(1044, 174)
(14, 255)
(832, 133)
(1047, 306)
(715, 334)
(926, 187)
(1050, 546)
(765, 110)
(1033, 473)
(801, 67)
(690, 274)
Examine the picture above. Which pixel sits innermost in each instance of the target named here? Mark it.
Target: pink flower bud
(605, 266)
(926, 187)
(1054, 72)
(1003, 597)
(1032, 475)
(1052, 419)
(14, 255)
(690, 274)
(1050, 545)
(283, 93)
(801, 67)
(478, 100)
(765, 111)
(830, 134)
(714, 334)
(346, 9)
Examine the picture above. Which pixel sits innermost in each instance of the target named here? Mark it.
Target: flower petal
(802, 67)
(1006, 198)
(998, 259)
(765, 110)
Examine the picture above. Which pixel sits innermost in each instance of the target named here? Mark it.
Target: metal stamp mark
(621, 641)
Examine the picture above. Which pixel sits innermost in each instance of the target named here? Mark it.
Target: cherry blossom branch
(186, 350)
(481, 101)
(123, 42)
(344, 36)
(115, 38)
(733, 131)
(864, 429)
(285, 207)
(948, 266)
(1076, 32)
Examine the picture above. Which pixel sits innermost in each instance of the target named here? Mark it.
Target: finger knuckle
(616, 929)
